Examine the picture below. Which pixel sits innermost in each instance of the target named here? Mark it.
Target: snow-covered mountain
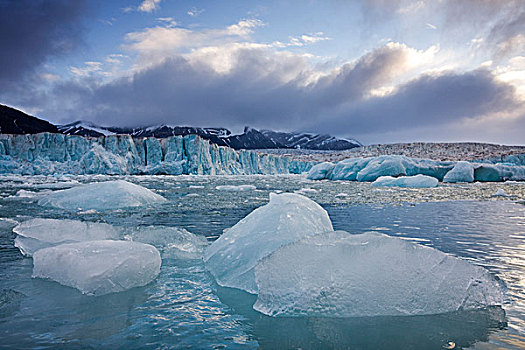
(84, 128)
(310, 141)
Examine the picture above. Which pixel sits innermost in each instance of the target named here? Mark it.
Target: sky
(379, 71)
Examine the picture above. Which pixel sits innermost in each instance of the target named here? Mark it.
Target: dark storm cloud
(182, 92)
(427, 101)
(32, 31)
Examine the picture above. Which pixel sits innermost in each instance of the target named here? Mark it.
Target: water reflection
(453, 330)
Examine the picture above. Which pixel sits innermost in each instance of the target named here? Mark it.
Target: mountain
(310, 141)
(13, 121)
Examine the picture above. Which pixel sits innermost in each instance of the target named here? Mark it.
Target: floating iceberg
(416, 181)
(98, 267)
(500, 193)
(102, 195)
(286, 218)
(462, 172)
(371, 274)
(172, 242)
(36, 234)
(236, 188)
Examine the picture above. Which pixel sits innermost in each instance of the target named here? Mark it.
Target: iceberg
(102, 196)
(462, 172)
(236, 188)
(336, 274)
(416, 181)
(172, 242)
(286, 218)
(39, 233)
(98, 267)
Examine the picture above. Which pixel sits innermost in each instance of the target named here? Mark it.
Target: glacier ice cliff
(49, 153)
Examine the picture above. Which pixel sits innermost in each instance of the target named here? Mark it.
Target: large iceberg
(98, 267)
(172, 242)
(39, 233)
(462, 172)
(286, 218)
(101, 196)
(416, 181)
(337, 274)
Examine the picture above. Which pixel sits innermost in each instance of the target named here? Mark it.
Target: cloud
(195, 12)
(149, 6)
(34, 32)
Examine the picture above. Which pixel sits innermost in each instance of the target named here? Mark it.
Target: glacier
(50, 154)
(336, 274)
(371, 168)
(35, 234)
(101, 196)
(286, 218)
(98, 267)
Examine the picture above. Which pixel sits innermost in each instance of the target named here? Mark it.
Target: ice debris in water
(236, 188)
(102, 195)
(286, 218)
(98, 267)
(337, 274)
(462, 172)
(39, 233)
(416, 181)
(172, 242)
(500, 193)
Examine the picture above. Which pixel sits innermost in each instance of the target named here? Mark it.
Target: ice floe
(98, 267)
(102, 196)
(39, 233)
(337, 274)
(416, 181)
(286, 218)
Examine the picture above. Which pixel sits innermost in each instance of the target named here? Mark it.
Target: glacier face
(372, 168)
(49, 153)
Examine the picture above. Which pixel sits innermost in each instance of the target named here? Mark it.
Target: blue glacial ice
(36, 234)
(101, 196)
(48, 153)
(98, 267)
(286, 218)
(415, 181)
(337, 274)
(461, 172)
(371, 168)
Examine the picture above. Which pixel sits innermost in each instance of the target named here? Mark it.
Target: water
(184, 308)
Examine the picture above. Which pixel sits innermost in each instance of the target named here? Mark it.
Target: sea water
(184, 308)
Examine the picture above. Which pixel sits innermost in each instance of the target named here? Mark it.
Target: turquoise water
(184, 308)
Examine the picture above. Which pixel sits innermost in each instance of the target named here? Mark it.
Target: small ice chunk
(98, 267)
(102, 195)
(336, 274)
(500, 193)
(39, 233)
(172, 242)
(236, 188)
(286, 218)
(416, 181)
(461, 172)
(306, 191)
